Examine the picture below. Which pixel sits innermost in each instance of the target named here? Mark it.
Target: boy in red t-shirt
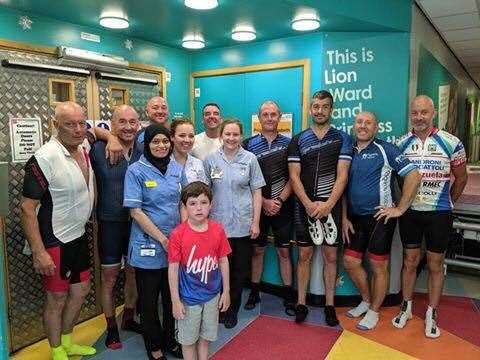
(198, 273)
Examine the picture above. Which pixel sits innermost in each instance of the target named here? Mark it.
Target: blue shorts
(113, 237)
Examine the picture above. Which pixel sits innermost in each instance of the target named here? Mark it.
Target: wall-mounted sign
(443, 101)
(284, 127)
(25, 137)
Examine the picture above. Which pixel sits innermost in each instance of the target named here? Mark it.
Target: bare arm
(224, 302)
(409, 191)
(257, 210)
(340, 183)
(148, 226)
(113, 150)
(177, 306)
(461, 177)
(294, 170)
(42, 262)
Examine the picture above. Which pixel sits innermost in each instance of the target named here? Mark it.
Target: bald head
(157, 110)
(125, 123)
(365, 127)
(422, 112)
(70, 124)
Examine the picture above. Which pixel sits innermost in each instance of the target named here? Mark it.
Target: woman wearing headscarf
(152, 193)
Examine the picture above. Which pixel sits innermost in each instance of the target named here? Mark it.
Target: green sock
(59, 353)
(75, 349)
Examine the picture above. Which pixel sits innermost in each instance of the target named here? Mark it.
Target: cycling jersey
(435, 159)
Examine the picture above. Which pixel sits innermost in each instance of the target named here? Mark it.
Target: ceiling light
(201, 4)
(114, 22)
(306, 22)
(243, 33)
(193, 41)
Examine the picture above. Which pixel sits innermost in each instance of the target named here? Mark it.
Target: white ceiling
(458, 22)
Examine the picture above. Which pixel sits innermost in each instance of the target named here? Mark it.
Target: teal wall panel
(49, 32)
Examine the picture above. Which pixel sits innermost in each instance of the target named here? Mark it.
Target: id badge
(147, 250)
(216, 173)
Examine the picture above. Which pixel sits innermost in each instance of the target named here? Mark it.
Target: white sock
(369, 321)
(359, 310)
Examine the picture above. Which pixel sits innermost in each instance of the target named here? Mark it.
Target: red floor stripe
(273, 338)
(458, 315)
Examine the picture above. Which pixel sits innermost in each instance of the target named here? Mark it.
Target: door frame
(301, 63)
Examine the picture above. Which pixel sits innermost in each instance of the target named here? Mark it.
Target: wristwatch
(279, 199)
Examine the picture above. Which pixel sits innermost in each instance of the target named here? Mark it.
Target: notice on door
(25, 137)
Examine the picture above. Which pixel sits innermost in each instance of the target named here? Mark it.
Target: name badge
(216, 173)
(147, 250)
(150, 183)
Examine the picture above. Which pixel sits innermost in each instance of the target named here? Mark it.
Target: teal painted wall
(50, 32)
(431, 75)
(381, 75)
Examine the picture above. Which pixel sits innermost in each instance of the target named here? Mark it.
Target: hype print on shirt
(197, 253)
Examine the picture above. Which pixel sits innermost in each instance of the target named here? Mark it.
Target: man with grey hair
(369, 213)
(441, 159)
(58, 194)
(270, 147)
(114, 222)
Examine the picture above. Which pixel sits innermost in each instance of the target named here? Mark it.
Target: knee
(304, 256)
(83, 290)
(435, 266)
(330, 258)
(284, 254)
(410, 262)
(378, 268)
(56, 301)
(109, 279)
(351, 264)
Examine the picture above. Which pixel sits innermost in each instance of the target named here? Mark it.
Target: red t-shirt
(197, 253)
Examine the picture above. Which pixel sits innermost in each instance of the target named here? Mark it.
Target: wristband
(279, 199)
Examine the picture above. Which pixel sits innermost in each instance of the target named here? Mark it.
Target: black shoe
(252, 301)
(231, 320)
(289, 303)
(330, 316)
(175, 350)
(131, 325)
(151, 357)
(301, 312)
(112, 341)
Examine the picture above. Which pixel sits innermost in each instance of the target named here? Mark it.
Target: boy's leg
(189, 351)
(202, 349)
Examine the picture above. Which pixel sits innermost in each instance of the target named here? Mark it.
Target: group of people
(190, 215)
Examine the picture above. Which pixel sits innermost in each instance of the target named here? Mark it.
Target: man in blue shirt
(318, 161)
(370, 221)
(270, 147)
(113, 220)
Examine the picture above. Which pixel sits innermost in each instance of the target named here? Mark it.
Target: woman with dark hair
(152, 193)
(183, 137)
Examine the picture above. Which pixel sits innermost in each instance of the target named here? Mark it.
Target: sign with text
(25, 137)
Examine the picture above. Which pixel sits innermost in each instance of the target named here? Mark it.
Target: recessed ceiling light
(114, 22)
(201, 4)
(193, 41)
(243, 33)
(306, 22)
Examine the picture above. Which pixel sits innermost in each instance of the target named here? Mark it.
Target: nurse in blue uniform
(152, 193)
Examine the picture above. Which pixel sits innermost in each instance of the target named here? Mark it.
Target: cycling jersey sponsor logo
(415, 147)
(369, 156)
(432, 147)
(400, 158)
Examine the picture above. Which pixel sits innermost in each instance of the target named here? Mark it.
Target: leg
(168, 321)
(130, 289)
(75, 300)
(379, 283)
(411, 260)
(435, 277)
(303, 272)
(148, 285)
(189, 352)
(109, 278)
(52, 316)
(285, 265)
(329, 272)
(357, 273)
(202, 349)
(257, 269)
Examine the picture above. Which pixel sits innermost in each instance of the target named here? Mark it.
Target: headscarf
(150, 132)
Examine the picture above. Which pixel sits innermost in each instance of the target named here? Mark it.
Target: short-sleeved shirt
(194, 170)
(110, 179)
(158, 195)
(318, 159)
(232, 184)
(435, 158)
(204, 146)
(272, 158)
(370, 182)
(197, 253)
(53, 176)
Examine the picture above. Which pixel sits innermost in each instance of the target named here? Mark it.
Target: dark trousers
(150, 284)
(240, 262)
